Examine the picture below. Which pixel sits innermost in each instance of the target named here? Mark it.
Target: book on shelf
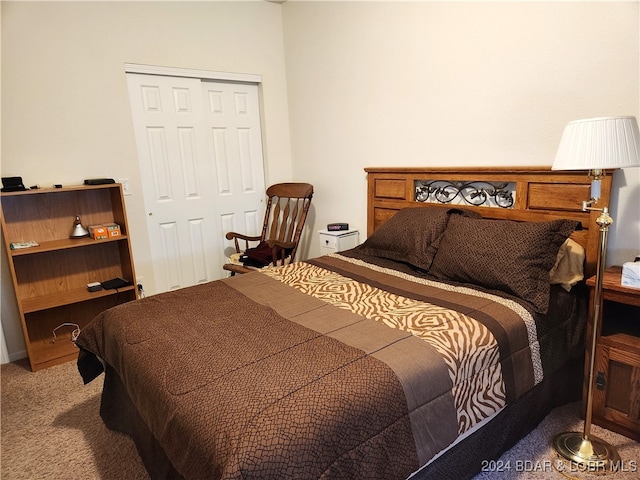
(19, 245)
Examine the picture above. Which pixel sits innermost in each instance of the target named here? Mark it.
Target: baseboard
(14, 357)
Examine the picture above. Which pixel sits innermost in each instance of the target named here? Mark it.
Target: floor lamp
(595, 144)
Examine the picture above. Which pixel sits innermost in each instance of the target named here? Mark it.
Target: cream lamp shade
(599, 144)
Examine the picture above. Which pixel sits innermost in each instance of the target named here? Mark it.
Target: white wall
(454, 84)
(65, 106)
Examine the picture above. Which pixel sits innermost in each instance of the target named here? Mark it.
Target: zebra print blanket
(332, 368)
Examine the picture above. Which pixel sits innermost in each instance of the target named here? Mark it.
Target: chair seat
(236, 266)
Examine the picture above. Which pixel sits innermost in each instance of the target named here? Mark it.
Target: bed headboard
(513, 193)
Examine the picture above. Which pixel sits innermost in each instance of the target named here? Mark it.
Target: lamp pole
(591, 453)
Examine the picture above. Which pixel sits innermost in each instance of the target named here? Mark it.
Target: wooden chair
(287, 207)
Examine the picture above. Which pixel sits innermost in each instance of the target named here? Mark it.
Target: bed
(434, 346)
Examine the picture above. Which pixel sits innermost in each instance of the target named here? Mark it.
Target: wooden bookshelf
(50, 280)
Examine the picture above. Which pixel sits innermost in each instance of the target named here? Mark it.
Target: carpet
(51, 430)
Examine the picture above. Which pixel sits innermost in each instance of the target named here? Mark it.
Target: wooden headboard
(517, 193)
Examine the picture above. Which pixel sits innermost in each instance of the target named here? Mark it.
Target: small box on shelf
(113, 230)
(104, 231)
(98, 232)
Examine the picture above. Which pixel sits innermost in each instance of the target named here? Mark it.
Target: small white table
(332, 241)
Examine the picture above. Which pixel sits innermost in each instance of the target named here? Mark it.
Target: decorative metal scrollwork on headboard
(476, 193)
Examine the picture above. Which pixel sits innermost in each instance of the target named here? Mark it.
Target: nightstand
(332, 241)
(616, 397)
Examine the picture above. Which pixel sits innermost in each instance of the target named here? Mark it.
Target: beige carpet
(51, 430)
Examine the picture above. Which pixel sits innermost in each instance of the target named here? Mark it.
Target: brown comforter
(333, 368)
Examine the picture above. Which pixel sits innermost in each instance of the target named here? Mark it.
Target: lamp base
(590, 453)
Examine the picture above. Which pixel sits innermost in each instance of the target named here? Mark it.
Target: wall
(65, 106)
(454, 84)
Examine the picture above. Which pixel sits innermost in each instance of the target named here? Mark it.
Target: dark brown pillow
(513, 257)
(412, 235)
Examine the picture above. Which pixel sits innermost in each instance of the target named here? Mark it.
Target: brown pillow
(513, 257)
(412, 235)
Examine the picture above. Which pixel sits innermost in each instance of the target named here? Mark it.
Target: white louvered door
(200, 156)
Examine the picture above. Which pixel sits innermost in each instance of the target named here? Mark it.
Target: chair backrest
(286, 212)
